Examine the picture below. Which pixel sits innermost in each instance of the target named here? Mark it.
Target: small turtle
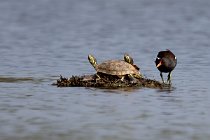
(129, 59)
(118, 68)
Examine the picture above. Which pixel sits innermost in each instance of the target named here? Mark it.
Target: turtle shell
(116, 67)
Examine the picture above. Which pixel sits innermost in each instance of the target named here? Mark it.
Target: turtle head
(92, 60)
(128, 59)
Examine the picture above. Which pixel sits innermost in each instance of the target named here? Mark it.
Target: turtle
(118, 68)
(129, 59)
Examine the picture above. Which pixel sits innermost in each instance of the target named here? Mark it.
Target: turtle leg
(97, 77)
(123, 78)
(138, 76)
(132, 78)
(161, 75)
(169, 78)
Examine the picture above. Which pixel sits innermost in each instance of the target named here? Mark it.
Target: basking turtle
(118, 68)
(129, 59)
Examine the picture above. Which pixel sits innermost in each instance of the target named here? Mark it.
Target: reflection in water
(118, 90)
(20, 79)
(167, 89)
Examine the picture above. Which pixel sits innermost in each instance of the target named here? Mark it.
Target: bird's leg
(169, 78)
(161, 75)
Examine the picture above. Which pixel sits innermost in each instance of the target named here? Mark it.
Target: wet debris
(106, 81)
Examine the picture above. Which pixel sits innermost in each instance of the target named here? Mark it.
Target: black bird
(166, 62)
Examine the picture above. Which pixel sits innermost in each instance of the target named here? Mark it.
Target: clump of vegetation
(106, 81)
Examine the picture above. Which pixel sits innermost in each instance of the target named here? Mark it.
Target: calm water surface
(39, 40)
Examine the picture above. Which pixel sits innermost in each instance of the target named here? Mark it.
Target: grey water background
(39, 40)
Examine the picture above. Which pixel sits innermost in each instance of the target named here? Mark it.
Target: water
(39, 40)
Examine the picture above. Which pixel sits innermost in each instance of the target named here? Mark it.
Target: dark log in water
(107, 82)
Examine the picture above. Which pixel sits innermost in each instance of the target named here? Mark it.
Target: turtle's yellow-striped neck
(92, 60)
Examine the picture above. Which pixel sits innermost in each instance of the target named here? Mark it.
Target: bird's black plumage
(166, 62)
